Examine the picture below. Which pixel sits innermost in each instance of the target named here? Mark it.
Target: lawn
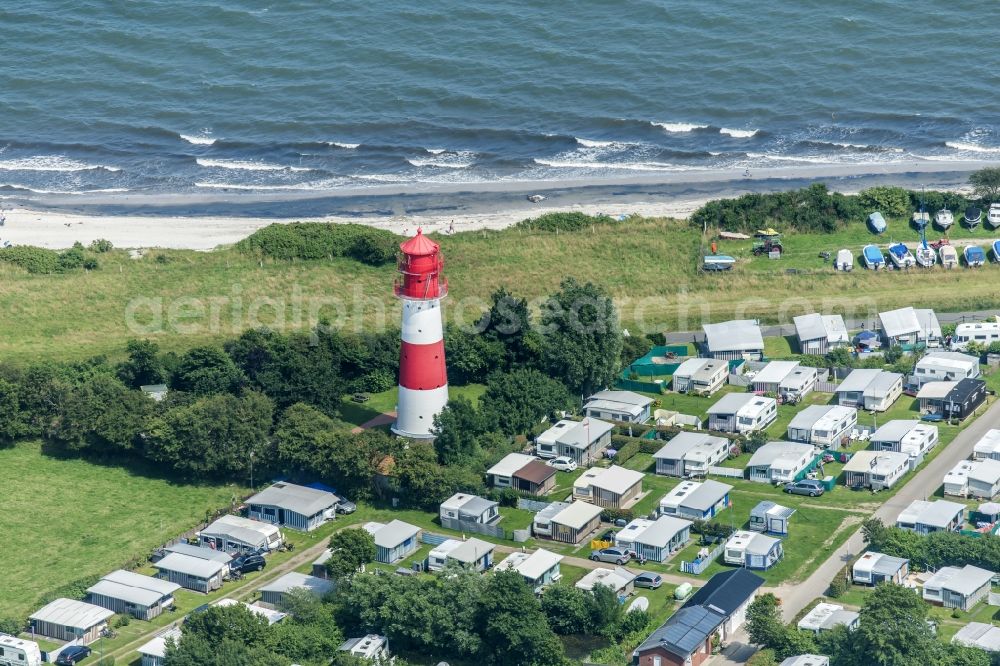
(69, 519)
(651, 270)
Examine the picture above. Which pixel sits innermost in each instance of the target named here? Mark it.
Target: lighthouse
(423, 380)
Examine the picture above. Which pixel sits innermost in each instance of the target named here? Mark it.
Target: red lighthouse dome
(420, 266)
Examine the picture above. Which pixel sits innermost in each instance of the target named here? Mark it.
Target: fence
(432, 539)
(826, 387)
(471, 526)
(730, 472)
(739, 380)
(702, 563)
(531, 505)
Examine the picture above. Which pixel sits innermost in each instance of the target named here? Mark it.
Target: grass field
(67, 519)
(650, 268)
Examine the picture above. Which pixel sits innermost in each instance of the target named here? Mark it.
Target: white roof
(510, 463)
(272, 616)
(959, 474)
(300, 499)
(163, 587)
(622, 398)
(133, 588)
(577, 514)
(294, 580)
(188, 564)
(686, 442)
(988, 443)
(737, 335)
(858, 380)
(241, 529)
(816, 326)
(696, 495)
(821, 417)
(72, 613)
(614, 479)
(933, 390)
(660, 531)
(879, 562)
(443, 549)
(985, 471)
(616, 578)
(471, 550)
(964, 581)
(938, 513)
(979, 635)
(899, 322)
(579, 434)
(754, 543)
(530, 565)
(772, 451)
(774, 372)
(894, 431)
(734, 402)
(876, 462)
(807, 659)
(929, 323)
(948, 359)
(691, 366)
(158, 646)
(394, 533)
(816, 618)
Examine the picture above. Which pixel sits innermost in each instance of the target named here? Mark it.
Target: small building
(202, 553)
(70, 620)
(696, 500)
(870, 389)
(798, 383)
(619, 579)
(539, 568)
(824, 426)
(142, 597)
(974, 478)
(742, 413)
(535, 478)
(925, 517)
(473, 553)
(654, 540)
(393, 541)
(873, 568)
(770, 517)
(582, 441)
(611, 488)
(501, 475)
(780, 462)
(319, 564)
(155, 391)
(572, 523)
(193, 573)
(769, 378)
(16, 651)
(825, 616)
(288, 505)
(945, 366)
(978, 635)
(731, 340)
(905, 436)
(541, 524)
(876, 470)
(371, 647)
(806, 660)
(154, 653)
(988, 446)
(235, 534)
(700, 376)
(274, 592)
(909, 326)
(271, 615)
(819, 334)
(952, 400)
(691, 454)
(954, 587)
(752, 550)
(624, 406)
(471, 508)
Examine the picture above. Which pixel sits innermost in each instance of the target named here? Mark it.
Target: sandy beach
(204, 222)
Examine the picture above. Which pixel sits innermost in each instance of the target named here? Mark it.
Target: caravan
(15, 651)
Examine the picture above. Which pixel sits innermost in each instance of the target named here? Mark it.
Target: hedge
(563, 222)
(321, 240)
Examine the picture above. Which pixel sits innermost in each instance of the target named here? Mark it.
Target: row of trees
(933, 550)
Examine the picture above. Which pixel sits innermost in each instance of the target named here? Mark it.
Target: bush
(376, 381)
(763, 658)
(122, 620)
(32, 259)
(894, 201)
(91, 264)
(628, 449)
(101, 245)
(839, 586)
(76, 589)
(318, 240)
(163, 259)
(711, 529)
(811, 209)
(611, 515)
(12, 625)
(505, 497)
(563, 222)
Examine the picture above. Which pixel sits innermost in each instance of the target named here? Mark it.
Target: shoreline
(206, 221)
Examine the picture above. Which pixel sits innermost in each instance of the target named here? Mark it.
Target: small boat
(921, 218)
(536, 198)
(718, 262)
(996, 250)
(973, 215)
(877, 223)
(974, 256)
(993, 216)
(949, 256)
(872, 257)
(926, 257)
(943, 218)
(844, 261)
(900, 256)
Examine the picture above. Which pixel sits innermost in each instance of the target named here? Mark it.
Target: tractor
(767, 241)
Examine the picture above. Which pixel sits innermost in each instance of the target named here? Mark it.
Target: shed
(393, 541)
(471, 508)
(535, 478)
(274, 592)
(191, 572)
(581, 441)
(235, 534)
(818, 334)
(612, 487)
(691, 454)
(70, 620)
(142, 597)
(770, 517)
(154, 652)
(502, 474)
(734, 340)
(619, 579)
(696, 500)
(625, 406)
(574, 522)
(290, 505)
(873, 568)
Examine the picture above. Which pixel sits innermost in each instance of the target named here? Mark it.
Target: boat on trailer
(974, 256)
(948, 255)
(921, 219)
(872, 257)
(973, 216)
(993, 216)
(718, 262)
(900, 256)
(877, 223)
(944, 218)
(844, 261)
(925, 255)
(996, 250)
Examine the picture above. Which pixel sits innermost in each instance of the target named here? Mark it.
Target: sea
(184, 96)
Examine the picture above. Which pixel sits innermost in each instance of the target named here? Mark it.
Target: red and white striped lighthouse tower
(423, 380)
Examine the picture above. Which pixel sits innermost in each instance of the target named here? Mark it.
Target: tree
(13, 420)
(986, 183)
(908, 642)
(233, 622)
(894, 201)
(582, 339)
(516, 401)
(310, 634)
(566, 609)
(456, 429)
(352, 461)
(352, 548)
(471, 356)
(766, 628)
(102, 415)
(508, 322)
(424, 484)
(514, 629)
(207, 371)
(605, 611)
(143, 366)
(297, 439)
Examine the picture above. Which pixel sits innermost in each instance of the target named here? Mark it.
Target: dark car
(74, 654)
(346, 506)
(248, 563)
(613, 555)
(649, 579)
(810, 487)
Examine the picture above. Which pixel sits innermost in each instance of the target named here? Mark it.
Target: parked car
(562, 463)
(248, 563)
(810, 487)
(614, 555)
(346, 506)
(649, 579)
(74, 654)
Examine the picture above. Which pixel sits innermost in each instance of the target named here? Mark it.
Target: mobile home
(924, 517)
(701, 376)
(142, 597)
(625, 406)
(539, 568)
(873, 568)
(691, 454)
(752, 550)
(870, 389)
(961, 588)
(819, 334)
(70, 620)
(780, 462)
(16, 651)
(574, 522)
(739, 339)
(612, 487)
(234, 534)
(654, 540)
(582, 441)
(742, 413)
(298, 507)
(877, 470)
(825, 426)
(696, 500)
(393, 541)
(982, 333)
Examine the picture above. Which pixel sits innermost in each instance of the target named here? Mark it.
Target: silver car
(613, 555)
